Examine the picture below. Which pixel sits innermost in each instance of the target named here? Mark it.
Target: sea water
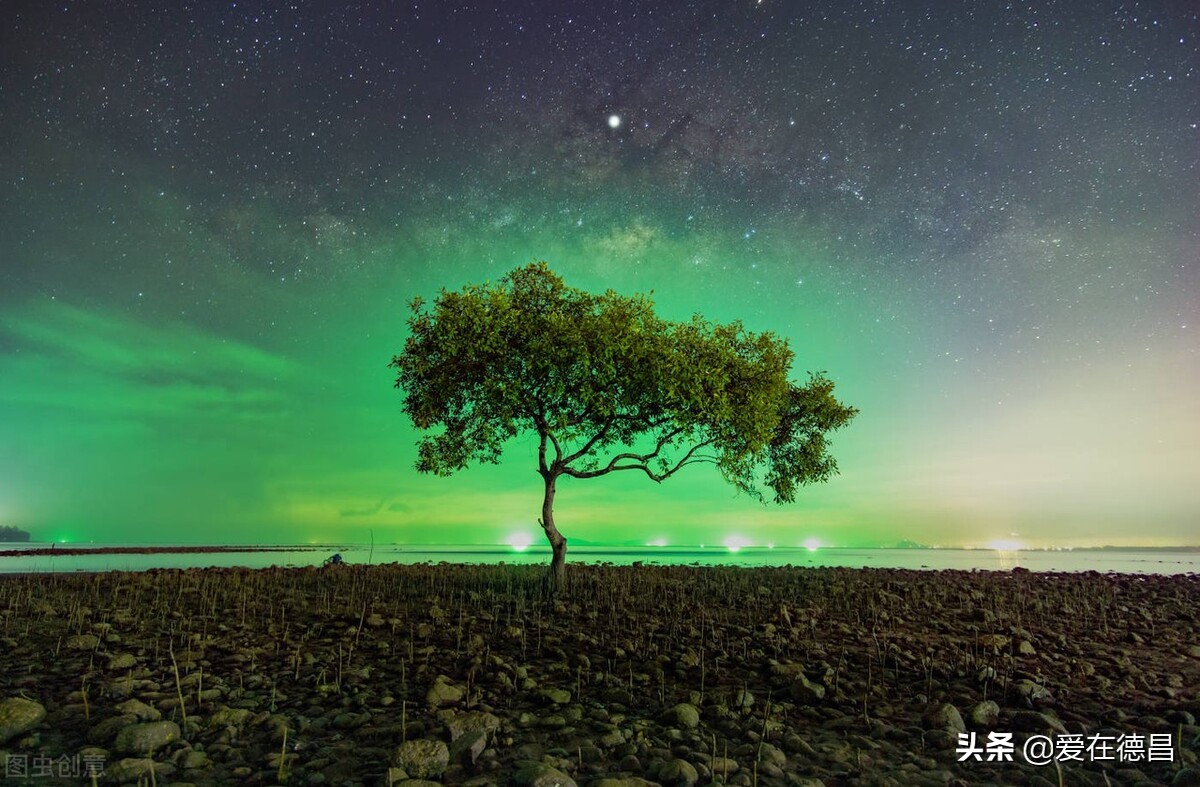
(1125, 561)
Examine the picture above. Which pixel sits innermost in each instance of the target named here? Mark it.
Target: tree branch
(642, 461)
(590, 443)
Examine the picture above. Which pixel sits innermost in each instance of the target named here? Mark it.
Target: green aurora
(196, 317)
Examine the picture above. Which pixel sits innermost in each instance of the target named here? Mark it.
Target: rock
(18, 716)
(629, 781)
(105, 731)
(542, 775)
(743, 699)
(461, 723)
(82, 642)
(136, 770)
(139, 710)
(1180, 717)
(442, 693)
(229, 717)
(1032, 721)
(1031, 692)
(556, 696)
(985, 714)
(1186, 777)
(768, 753)
(806, 692)
(122, 661)
(722, 766)
(192, 760)
(146, 738)
(678, 773)
(683, 715)
(943, 717)
(1025, 648)
(422, 758)
(466, 747)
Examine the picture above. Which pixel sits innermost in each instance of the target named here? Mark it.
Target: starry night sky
(982, 219)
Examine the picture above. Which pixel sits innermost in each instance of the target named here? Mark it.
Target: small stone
(134, 769)
(422, 758)
(442, 693)
(146, 738)
(81, 642)
(807, 692)
(229, 717)
(542, 775)
(1180, 717)
(722, 766)
(18, 716)
(1032, 721)
(460, 723)
(1025, 648)
(556, 696)
(467, 747)
(772, 754)
(683, 715)
(943, 717)
(678, 773)
(139, 710)
(1031, 692)
(193, 760)
(122, 661)
(985, 714)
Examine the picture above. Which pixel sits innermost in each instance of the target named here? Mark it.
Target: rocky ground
(629, 676)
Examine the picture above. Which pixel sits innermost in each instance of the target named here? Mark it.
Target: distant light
(734, 543)
(1006, 545)
(770, 545)
(614, 121)
(519, 541)
(812, 544)
(658, 542)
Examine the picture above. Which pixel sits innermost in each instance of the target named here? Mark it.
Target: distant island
(11, 534)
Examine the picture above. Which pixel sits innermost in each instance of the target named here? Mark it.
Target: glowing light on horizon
(1005, 545)
(812, 544)
(519, 541)
(734, 543)
(658, 542)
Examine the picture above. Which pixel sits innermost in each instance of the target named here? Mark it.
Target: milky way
(982, 219)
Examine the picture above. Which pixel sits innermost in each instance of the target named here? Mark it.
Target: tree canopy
(608, 386)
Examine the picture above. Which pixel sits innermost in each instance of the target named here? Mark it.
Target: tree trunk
(558, 562)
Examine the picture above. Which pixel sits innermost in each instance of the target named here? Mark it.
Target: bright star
(614, 121)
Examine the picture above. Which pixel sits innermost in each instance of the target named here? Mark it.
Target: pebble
(422, 758)
(18, 716)
(542, 775)
(146, 737)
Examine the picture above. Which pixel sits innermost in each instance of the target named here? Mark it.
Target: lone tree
(607, 387)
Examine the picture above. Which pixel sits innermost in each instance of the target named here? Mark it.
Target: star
(614, 121)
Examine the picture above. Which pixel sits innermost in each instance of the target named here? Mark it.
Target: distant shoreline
(149, 550)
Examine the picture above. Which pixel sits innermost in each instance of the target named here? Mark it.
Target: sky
(979, 218)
